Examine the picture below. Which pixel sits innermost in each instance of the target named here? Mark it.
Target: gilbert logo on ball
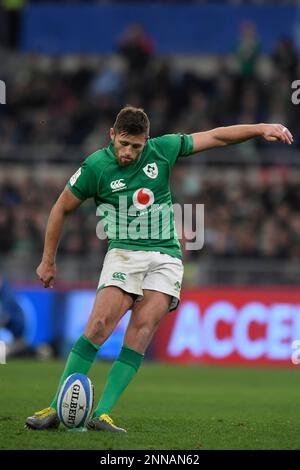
(75, 401)
(143, 198)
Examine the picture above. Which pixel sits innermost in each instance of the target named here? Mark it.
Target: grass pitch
(165, 407)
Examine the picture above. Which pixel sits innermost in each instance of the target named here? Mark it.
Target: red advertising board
(232, 326)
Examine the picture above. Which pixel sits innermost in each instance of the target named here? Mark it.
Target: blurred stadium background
(68, 67)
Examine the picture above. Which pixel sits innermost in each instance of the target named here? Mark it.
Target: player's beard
(124, 161)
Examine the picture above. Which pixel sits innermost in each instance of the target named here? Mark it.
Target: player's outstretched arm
(65, 204)
(222, 136)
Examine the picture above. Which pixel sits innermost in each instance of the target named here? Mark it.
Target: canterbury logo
(119, 276)
(117, 185)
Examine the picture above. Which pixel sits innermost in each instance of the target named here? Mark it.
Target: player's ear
(112, 133)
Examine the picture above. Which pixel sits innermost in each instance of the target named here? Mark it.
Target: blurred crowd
(73, 101)
(70, 103)
(254, 214)
(23, 216)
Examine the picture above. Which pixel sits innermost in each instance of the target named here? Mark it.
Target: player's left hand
(276, 132)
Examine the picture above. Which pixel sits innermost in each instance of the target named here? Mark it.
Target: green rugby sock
(80, 360)
(121, 373)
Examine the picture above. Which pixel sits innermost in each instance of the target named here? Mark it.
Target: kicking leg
(110, 305)
(145, 318)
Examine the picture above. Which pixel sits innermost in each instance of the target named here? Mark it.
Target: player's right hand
(276, 132)
(46, 273)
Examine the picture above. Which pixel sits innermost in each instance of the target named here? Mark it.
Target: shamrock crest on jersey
(151, 170)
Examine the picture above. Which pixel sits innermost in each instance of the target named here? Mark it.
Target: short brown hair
(132, 121)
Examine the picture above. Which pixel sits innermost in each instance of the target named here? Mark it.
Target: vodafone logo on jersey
(143, 198)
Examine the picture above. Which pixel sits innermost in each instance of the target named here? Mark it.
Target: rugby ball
(75, 401)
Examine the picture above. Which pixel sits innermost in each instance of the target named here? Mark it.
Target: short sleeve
(83, 183)
(175, 145)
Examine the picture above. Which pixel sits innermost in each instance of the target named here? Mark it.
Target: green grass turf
(166, 407)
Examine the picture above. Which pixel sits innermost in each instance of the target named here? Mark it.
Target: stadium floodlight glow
(2, 92)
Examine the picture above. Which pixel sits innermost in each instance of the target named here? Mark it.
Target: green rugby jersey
(134, 201)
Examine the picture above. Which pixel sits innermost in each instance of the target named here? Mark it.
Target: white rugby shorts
(133, 271)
